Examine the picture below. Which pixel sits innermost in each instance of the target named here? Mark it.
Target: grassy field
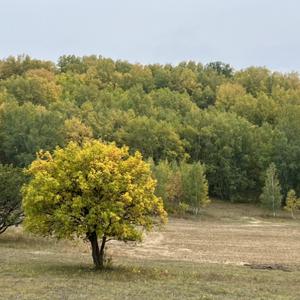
(198, 258)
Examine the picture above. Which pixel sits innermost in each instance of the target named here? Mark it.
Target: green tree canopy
(11, 180)
(25, 129)
(271, 195)
(236, 122)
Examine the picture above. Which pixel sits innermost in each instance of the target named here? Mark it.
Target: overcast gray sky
(239, 32)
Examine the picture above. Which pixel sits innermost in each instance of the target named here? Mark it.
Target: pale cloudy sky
(239, 32)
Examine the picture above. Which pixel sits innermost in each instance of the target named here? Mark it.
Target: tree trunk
(102, 250)
(273, 198)
(3, 228)
(97, 254)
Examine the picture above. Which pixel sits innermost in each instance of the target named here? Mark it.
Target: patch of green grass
(33, 268)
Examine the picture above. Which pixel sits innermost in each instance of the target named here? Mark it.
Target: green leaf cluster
(181, 185)
(11, 181)
(271, 196)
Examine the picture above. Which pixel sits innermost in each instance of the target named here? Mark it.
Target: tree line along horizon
(202, 127)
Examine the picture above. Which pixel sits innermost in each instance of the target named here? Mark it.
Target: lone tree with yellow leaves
(94, 191)
(292, 203)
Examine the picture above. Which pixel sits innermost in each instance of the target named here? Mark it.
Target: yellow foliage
(292, 202)
(95, 187)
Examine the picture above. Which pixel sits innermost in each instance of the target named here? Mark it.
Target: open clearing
(250, 242)
(227, 234)
(199, 258)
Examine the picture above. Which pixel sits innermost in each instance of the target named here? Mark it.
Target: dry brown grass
(195, 258)
(232, 236)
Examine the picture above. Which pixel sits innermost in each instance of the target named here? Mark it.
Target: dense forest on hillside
(234, 122)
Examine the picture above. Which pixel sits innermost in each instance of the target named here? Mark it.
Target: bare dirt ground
(231, 240)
